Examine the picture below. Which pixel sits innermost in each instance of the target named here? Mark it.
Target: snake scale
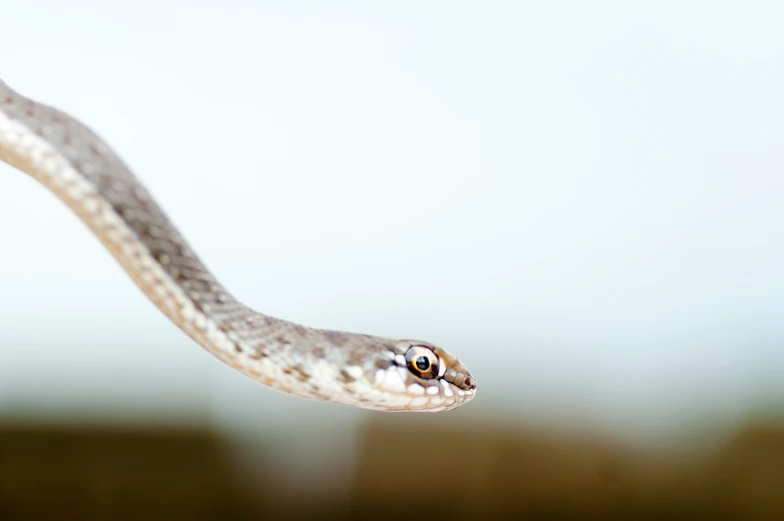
(332, 366)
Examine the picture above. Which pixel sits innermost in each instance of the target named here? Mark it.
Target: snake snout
(459, 376)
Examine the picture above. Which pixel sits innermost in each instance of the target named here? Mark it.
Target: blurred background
(584, 201)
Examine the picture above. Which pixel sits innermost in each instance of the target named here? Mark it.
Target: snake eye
(423, 362)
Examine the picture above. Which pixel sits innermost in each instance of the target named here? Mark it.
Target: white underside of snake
(331, 366)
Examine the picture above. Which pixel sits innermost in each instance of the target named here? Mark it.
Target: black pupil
(422, 363)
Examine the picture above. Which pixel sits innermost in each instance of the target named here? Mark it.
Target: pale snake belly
(332, 366)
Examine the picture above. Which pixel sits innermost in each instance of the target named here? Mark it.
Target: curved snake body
(333, 366)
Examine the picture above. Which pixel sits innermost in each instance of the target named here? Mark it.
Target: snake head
(424, 377)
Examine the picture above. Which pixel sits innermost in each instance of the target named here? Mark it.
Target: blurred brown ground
(113, 473)
(402, 473)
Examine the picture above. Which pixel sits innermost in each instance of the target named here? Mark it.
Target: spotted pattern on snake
(331, 366)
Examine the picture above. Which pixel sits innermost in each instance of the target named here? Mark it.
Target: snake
(365, 371)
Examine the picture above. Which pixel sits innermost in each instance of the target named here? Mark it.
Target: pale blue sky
(582, 201)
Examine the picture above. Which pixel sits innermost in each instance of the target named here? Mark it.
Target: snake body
(332, 366)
